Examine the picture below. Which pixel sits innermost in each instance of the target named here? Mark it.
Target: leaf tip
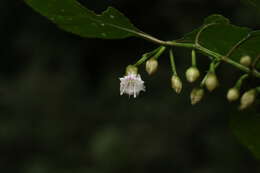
(216, 18)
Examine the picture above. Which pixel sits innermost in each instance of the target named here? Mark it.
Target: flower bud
(176, 84)
(192, 74)
(233, 94)
(211, 81)
(151, 66)
(247, 99)
(131, 69)
(196, 95)
(246, 60)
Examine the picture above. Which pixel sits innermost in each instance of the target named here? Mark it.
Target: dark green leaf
(246, 126)
(218, 35)
(73, 17)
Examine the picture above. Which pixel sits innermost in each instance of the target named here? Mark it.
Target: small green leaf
(246, 126)
(71, 16)
(218, 35)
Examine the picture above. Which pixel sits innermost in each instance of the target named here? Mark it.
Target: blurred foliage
(60, 104)
(246, 127)
(253, 3)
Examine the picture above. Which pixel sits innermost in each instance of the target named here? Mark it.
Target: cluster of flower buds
(132, 84)
(248, 97)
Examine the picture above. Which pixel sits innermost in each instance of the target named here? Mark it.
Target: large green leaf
(246, 126)
(218, 35)
(73, 17)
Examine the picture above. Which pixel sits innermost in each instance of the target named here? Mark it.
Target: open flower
(131, 84)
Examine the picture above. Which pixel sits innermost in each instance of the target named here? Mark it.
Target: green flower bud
(176, 84)
(211, 81)
(196, 95)
(192, 74)
(246, 60)
(233, 94)
(131, 69)
(151, 66)
(247, 99)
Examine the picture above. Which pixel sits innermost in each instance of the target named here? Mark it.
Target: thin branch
(200, 31)
(201, 49)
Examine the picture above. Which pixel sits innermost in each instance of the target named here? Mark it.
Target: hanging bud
(196, 95)
(211, 81)
(246, 60)
(233, 94)
(176, 84)
(192, 74)
(151, 66)
(131, 69)
(247, 99)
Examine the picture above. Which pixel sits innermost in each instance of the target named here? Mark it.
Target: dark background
(60, 108)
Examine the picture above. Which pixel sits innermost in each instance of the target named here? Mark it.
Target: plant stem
(193, 58)
(173, 63)
(160, 51)
(203, 50)
(157, 53)
(240, 81)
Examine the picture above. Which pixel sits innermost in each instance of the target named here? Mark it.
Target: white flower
(131, 84)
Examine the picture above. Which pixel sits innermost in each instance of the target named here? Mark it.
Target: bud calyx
(131, 69)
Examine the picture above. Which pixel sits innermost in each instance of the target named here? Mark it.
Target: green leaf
(218, 35)
(71, 16)
(246, 126)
